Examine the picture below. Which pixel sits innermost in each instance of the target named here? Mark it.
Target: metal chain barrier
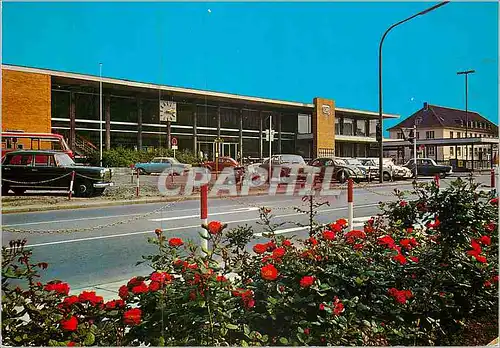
(93, 228)
(36, 182)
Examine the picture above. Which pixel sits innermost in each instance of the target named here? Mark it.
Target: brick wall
(26, 101)
(323, 127)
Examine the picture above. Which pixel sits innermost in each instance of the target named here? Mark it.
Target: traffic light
(378, 131)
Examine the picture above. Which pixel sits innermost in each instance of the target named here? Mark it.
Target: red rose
(192, 266)
(175, 242)
(403, 204)
(161, 277)
(68, 301)
(353, 235)
(278, 253)
(480, 258)
(134, 281)
(339, 308)
(487, 284)
(313, 241)
(399, 258)
(158, 231)
(321, 307)
(414, 258)
(387, 241)
(341, 222)
(154, 286)
(70, 344)
(215, 227)
(358, 246)
(269, 272)
(336, 227)
(495, 279)
(60, 288)
(271, 245)
(43, 265)
(494, 201)
(286, 243)
(221, 278)
(306, 331)
(140, 289)
(490, 227)
(485, 240)
(368, 229)
(69, 325)
(123, 292)
(132, 316)
(405, 243)
(328, 235)
(113, 304)
(434, 224)
(409, 230)
(90, 296)
(260, 248)
(307, 281)
(413, 242)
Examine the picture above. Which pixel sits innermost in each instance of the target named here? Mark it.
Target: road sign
(173, 142)
(174, 147)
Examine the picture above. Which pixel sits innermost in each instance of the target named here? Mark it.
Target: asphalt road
(96, 255)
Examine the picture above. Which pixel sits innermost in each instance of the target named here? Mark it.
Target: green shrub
(124, 157)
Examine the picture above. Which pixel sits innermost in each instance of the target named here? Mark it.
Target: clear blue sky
(290, 51)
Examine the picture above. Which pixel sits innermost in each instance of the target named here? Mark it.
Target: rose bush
(422, 272)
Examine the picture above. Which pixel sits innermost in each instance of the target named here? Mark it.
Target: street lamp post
(466, 73)
(100, 114)
(380, 118)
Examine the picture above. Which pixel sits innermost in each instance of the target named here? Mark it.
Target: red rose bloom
(307, 281)
(140, 289)
(336, 227)
(60, 288)
(487, 284)
(161, 277)
(269, 272)
(215, 227)
(339, 308)
(413, 242)
(358, 246)
(495, 279)
(113, 304)
(321, 307)
(353, 235)
(260, 248)
(175, 242)
(70, 344)
(434, 224)
(494, 201)
(490, 227)
(271, 245)
(414, 258)
(123, 292)
(132, 316)
(328, 235)
(90, 296)
(400, 258)
(409, 230)
(278, 253)
(154, 286)
(221, 278)
(158, 231)
(286, 243)
(70, 300)
(480, 258)
(405, 243)
(306, 331)
(134, 281)
(387, 241)
(69, 325)
(485, 240)
(313, 241)
(341, 222)
(403, 204)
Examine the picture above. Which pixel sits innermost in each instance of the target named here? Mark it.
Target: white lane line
(174, 228)
(235, 211)
(125, 215)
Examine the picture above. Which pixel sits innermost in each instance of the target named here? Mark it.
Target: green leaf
(231, 326)
(244, 343)
(366, 322)
(358, 281)
(246, 329)
(89, 339)
(284, 341)
(161, 342)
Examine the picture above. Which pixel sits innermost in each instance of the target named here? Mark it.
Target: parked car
(341, 172)
(51, 170)
(427, 166)
(370, 171)
(286, 163)
(222, 162)
(159, 164)
(390, 169)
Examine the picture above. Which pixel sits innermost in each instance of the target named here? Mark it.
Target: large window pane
(348, 126)
(304, 124)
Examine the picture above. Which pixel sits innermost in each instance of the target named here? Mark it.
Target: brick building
(38, 100)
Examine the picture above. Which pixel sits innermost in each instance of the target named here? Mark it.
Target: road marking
(125, 215)
(175, 228)
(239, 210)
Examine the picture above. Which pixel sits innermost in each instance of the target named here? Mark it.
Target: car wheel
(141, 171)
(5, 190)
(84, 189)
(387, 176)
(98, 192)
(342, 177)
(19, 191)
(442, 175)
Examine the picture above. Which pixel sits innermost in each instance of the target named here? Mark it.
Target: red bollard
(204, 215)
(492, 178)
(137, 186)
(71, 185)
(350, 203)
(436, 180)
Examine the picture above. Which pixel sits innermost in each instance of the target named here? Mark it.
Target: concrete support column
(72, 120)
(280, 115)
(241, 137)
(107, 124)
(169, 135)
(195, 132)
(261, 140)
(218, 122)
(139, 124)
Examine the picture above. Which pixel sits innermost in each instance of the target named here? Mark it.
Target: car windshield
(173, 160)
(353, 161)
(292, 159)
(368, 162)
(64, 160)
(339, 162)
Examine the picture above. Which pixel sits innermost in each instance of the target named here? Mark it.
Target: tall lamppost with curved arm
(380, 118)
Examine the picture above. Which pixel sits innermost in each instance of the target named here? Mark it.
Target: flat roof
(442, 141)
(191, 91)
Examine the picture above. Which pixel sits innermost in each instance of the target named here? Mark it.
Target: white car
(395, 171)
